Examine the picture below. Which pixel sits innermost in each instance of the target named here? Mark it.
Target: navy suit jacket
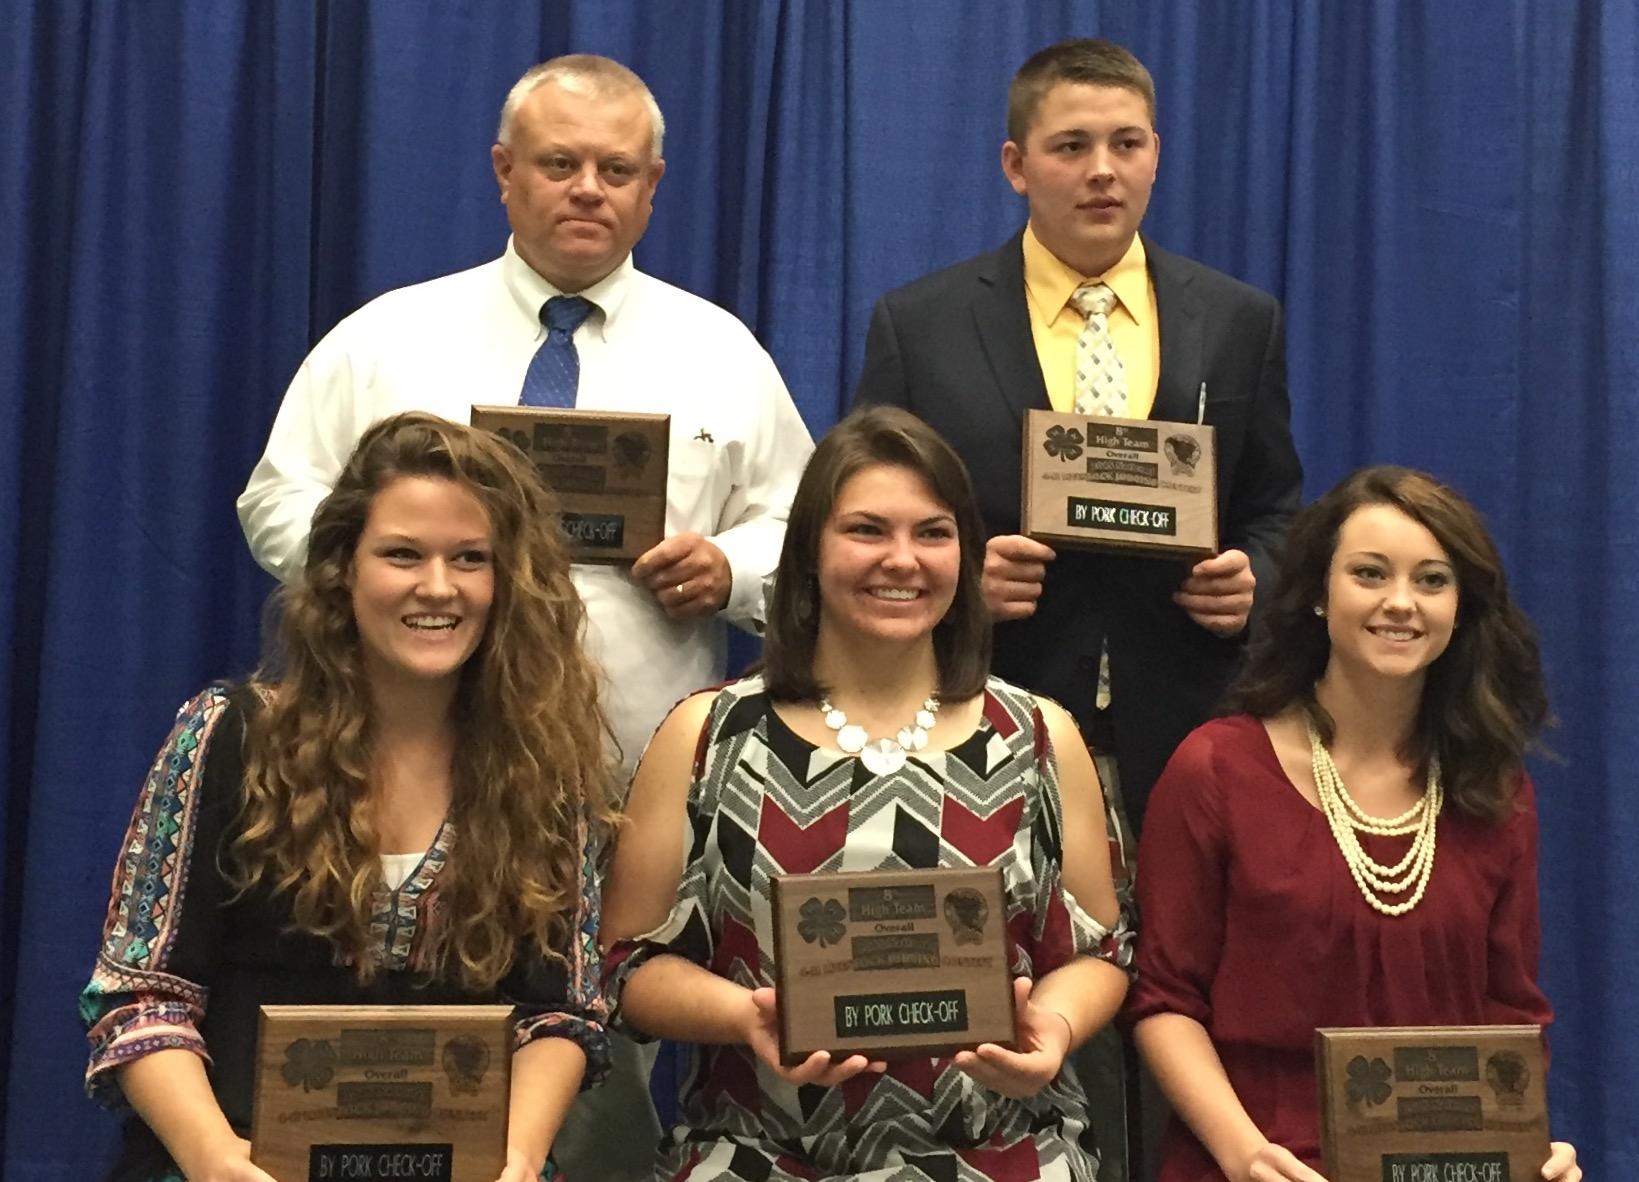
(956, 349)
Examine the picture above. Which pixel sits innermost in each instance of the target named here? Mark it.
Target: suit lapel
(1001, 322)
(1182, 322)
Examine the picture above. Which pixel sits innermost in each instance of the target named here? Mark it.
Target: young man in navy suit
(970, 348)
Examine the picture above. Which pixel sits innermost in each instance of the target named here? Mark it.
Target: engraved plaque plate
(608, 469)
(382, 1092)
(1432, 1103)
(891, 963)
(1142, 485)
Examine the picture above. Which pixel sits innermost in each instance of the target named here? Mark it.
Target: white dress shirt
(737, 442)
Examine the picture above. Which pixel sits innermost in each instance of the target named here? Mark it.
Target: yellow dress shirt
(1056, 325)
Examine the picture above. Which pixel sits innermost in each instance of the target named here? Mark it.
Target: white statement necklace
(882, 756)
(1348, 820)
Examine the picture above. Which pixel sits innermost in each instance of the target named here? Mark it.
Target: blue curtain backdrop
(191, 192)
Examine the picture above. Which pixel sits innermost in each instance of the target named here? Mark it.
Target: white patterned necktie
(1101, 380)
(1101, 389)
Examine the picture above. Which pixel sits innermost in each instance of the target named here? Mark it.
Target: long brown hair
(1483, 697)
(878, 435)
(531, 771)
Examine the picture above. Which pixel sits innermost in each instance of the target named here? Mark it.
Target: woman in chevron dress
(877, 627)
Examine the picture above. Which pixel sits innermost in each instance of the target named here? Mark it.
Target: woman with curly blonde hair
(401, 808)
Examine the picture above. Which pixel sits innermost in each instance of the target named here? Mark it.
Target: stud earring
(1320, 611)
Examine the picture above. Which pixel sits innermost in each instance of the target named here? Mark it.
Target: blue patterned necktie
(554, 371)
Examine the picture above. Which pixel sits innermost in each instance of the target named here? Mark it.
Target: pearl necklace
(1375, 880)
(883, 755)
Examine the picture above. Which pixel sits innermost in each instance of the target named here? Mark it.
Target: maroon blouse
(1251, 924)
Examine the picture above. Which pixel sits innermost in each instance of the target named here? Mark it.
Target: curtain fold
(1573, 544)
(194, 192)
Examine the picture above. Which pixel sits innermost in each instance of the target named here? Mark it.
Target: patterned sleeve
(149, 986)
(687, 929)
(566, 1000)
(1056, 927)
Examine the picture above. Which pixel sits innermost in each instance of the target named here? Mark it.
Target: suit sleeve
(882, 380)
(1268, 481)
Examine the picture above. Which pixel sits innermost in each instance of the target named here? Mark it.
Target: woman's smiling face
(423, 579)
(1391, 595)
(889, 557)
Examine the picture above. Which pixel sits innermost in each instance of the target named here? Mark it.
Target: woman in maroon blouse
(1290, 876)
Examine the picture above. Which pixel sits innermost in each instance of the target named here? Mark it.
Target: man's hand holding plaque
(688, 575)
(1015, 569)
(1217, 592)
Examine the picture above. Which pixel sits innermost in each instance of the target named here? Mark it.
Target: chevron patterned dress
(765, 801)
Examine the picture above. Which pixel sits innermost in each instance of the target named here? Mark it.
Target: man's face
(577, 181)
(1086, 166)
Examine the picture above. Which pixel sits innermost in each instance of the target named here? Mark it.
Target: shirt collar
(529, 290)
(1051, 282)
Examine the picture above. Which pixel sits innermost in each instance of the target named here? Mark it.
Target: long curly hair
(1483, 697)
(531, 774)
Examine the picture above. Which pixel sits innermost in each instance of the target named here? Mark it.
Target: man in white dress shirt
(578, 158)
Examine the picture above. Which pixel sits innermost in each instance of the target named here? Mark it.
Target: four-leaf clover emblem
(821, 921)
(1368, 1081)
(1062, 442)
(309, 1063)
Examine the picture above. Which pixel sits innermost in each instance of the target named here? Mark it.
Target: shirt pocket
(699, 477)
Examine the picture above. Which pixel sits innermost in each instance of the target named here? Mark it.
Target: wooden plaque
(607, 467)
(382, 1092)
(1143, 485)
(891, 963)
(1432, 1103)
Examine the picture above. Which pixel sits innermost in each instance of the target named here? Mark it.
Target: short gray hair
(583, 71)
